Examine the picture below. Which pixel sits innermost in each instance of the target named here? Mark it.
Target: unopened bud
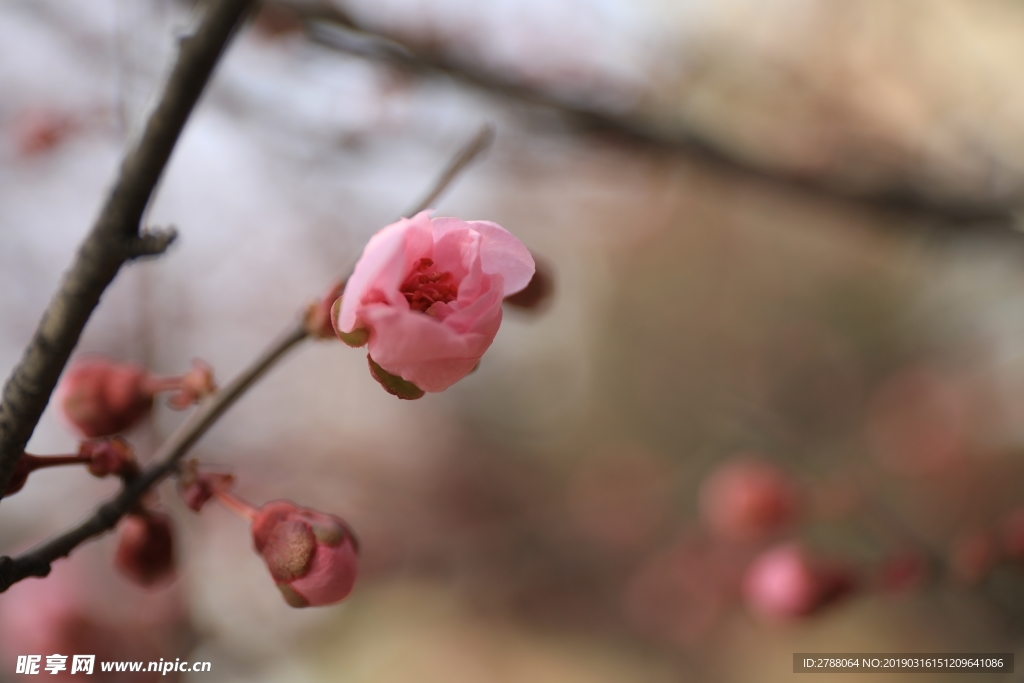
(319, 320)
(39, 130)
(312, 556)
(109, 456)
(749, 500)
(192, 387)
(196, 487)
(784, 583)
(145, 549)
(100, 397)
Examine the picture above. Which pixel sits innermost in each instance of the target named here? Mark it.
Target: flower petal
(386, 261)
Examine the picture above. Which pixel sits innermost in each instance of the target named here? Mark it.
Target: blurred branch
(462, 160)
(329, 26)
(115, 237)
(38, 560)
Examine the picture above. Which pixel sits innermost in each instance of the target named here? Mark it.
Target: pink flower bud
(100, 397)
(312, 556)
(190, 388)
(109, 456)
(145, 549)
(196, 488)
(784, 583)
(428, 293)
(319, 319)
(748, 500)
(39, 130)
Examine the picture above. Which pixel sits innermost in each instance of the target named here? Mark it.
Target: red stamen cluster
(425, 287)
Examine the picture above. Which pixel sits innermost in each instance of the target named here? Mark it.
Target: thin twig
(114, 239)
(38, 560)
(469, 153)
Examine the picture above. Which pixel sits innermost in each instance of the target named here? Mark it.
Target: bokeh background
(780, 232)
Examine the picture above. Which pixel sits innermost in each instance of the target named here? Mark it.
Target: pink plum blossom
(426, 294)
(312, 556)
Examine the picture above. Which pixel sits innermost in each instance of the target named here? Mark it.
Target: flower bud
(109, 456)
(145, 550)
(319, 317)
(748, 500)
(196, 487)
(190, 388)
(312, 556)
(39, 130)
(100, 397)
(784, 583)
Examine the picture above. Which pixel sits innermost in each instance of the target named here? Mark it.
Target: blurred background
(773, 405)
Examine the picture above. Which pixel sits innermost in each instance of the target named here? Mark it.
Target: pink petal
(502, 254)
(331, 575)
(429, 353)
(386, 261)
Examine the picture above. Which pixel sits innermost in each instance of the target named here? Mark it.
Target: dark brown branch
(114, 238)
(36, 562)
(327, 25)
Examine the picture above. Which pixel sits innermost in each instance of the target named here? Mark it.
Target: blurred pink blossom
(784, 582)
(748, 499)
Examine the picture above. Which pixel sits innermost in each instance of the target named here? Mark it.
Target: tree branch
(327, 24)
(38, 560)
(114, 238)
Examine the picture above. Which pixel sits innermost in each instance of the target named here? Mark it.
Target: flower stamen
(424, 287)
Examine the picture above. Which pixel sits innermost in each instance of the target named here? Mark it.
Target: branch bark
(115, 237)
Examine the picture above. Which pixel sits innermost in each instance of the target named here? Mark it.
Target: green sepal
(393, 384)
(357, 337)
